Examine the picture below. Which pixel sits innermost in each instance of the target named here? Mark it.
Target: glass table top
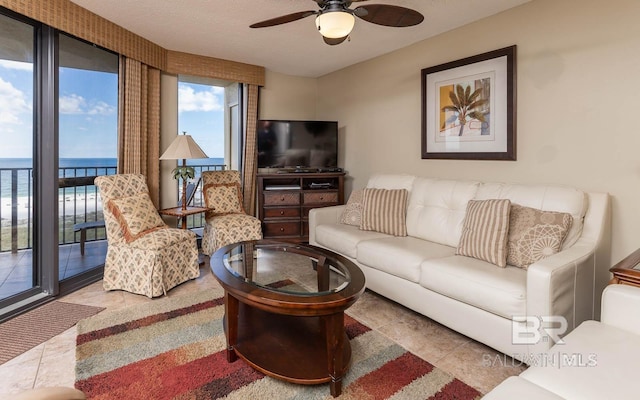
(287, 268)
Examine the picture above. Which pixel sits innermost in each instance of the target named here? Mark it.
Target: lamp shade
(183, 147)
(335, 24)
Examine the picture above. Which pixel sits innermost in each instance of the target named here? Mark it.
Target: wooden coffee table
(284, 309)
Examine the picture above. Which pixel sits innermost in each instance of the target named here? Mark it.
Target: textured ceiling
(220, 28)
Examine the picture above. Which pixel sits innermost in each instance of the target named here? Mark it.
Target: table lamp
(182, 148)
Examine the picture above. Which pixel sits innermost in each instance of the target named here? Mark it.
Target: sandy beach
(66, 206)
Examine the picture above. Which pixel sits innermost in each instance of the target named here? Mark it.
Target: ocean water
(69, 167)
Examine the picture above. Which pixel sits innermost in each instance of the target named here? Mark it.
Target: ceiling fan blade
(333, 42)
(387, 15)
(283, 19)
(346, 3)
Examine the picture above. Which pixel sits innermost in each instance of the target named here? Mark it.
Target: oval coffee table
(284, 309)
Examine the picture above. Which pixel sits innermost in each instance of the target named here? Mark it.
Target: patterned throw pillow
(535, 234)
(385, 211)
(136, 215)
(223, 198)
(352, 214)
(484, 231)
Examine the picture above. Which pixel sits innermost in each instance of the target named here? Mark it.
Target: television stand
(308, 170)
(285, 198)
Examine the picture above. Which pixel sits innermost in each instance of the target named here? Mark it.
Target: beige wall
(578, 98)
(288, 97)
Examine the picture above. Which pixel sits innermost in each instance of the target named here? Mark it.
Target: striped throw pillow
(385, 211)
(485, 230)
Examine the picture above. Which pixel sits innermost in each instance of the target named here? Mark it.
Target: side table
(183, 214)
(627, 271)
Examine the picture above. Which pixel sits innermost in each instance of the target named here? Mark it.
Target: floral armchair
(144, 255)
(227, 221)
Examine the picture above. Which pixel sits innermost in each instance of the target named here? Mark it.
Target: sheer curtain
(139, 128)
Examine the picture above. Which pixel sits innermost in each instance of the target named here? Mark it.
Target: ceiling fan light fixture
(335, 24)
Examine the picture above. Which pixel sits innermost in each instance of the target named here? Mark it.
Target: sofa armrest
(563, 286)
(570, 283)
(323, 215)
(621, 307)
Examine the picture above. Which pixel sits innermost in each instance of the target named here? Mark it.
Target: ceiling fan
(335, 19)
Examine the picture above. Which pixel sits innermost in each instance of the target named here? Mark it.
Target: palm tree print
(466, 105)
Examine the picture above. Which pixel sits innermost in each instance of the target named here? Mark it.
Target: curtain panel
(139, 128)
(250, 157)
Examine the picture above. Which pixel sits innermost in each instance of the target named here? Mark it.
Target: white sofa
(598, 360)
(474, 297)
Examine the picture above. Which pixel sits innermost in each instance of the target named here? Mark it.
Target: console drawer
(320, 197)
(282, 212)
(282, 228)
(281, 198)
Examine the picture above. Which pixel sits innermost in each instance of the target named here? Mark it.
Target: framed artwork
(468, 108)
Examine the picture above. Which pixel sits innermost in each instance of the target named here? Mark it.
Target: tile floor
(53, 362)
(16, 269)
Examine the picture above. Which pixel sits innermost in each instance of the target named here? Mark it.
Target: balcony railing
(197, 220)
(78, 202)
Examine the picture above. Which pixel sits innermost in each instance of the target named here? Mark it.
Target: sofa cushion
(543, 197)
(596, 361)
(502, 291)
(535, 234)
(400, 256)
(515, 387)
(352, 213)
(484, 231)
(436, 209)
(343, 238)
(384, 210)
(391, 181)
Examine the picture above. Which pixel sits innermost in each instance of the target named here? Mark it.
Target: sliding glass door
(18, 273)
(87, 147)
(58, 131)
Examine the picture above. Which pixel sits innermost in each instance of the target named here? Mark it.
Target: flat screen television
(297, 144)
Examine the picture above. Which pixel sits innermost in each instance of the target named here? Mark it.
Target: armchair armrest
(323, 215)
(621, 307)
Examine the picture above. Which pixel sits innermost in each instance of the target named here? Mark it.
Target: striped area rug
(34, 327)
(173, 348)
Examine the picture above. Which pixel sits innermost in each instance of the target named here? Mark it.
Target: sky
(88, 107)
(16, 98)
(201, 115)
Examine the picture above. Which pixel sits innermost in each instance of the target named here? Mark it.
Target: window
(201, 115)
(206, 112)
